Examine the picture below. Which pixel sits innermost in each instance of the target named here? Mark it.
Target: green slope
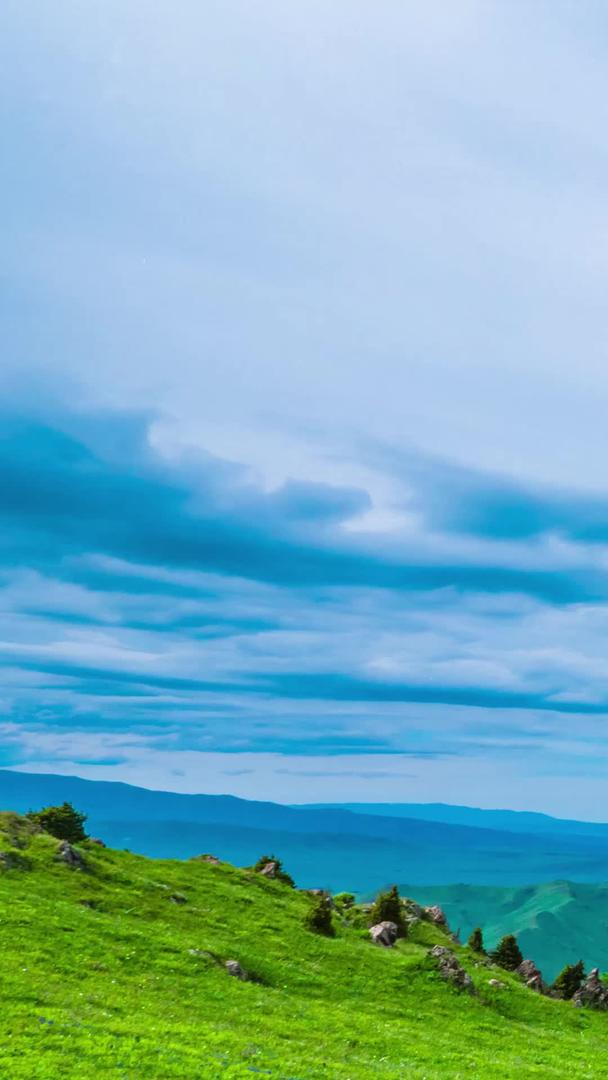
(98, 979)
(556, 923)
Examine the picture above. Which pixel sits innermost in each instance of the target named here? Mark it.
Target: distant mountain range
(335, 847)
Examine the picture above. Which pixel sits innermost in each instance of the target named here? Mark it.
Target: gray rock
(451, 970)
(592, 992)
(497, 984)
(412, 909)
(234, 968)
(8, 861)
(532, 977)
(436, 915)
(384, 933)
(69, 855)
(97, 841)
(269, 870)
(178, 898)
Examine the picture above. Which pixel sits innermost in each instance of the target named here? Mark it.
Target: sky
(303, 398)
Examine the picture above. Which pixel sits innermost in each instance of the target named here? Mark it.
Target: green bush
(507, 953)
(63, 822)
(475, 941)
(387, 907)
(569, 980)
(318, 918)
(344, 901)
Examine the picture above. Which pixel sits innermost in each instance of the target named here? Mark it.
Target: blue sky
(304, 386)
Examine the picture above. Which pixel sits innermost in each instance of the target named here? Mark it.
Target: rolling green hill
(117, 970)
(556, 923)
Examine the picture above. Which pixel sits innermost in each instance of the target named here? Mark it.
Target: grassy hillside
(104, 974)
(556, 923)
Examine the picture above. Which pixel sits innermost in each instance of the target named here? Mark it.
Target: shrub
(507, 953)
(279, 874)
(344, 901)
(63, 822)
(569, 980)
(475, 941)
(318, 918)
(387, 907)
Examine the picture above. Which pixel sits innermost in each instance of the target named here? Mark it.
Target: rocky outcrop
(436, 915)
(69, 855)
(384, 933)
(532, 977)
(451, 970)
(269, 870)
(320, 894)
(234, 968)
(592, 992)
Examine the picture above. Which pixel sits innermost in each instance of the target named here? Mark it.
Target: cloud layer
(178, 605)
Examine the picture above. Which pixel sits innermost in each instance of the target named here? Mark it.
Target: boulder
(451, 970)
(69, 855)
(8, 860)
(269, 870)
(532, 977)
(384, 934)
(234, 968)
(592, 992)
(436, 915)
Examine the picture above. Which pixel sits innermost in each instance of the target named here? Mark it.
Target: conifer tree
(507, 953)
(475, 941)
(63, 822)
(569, 980)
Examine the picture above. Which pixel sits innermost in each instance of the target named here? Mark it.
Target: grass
(104, 976)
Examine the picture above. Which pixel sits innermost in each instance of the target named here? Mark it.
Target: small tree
(63, 822)
(475, 941)
(318, 918)
(387, 908)
(278, 873)
(507, 953)
(569, 980)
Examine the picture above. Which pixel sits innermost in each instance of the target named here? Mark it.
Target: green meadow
(117, 970)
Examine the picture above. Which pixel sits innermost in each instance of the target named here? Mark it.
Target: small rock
(436, 915)
(451, 970)
(69, 855)
(384, 933)
(269, 870)
(497, 984)
(211, 859)
(177, 898)
(532, 977)
(592, 992)
(234, 968)
(97, 841)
